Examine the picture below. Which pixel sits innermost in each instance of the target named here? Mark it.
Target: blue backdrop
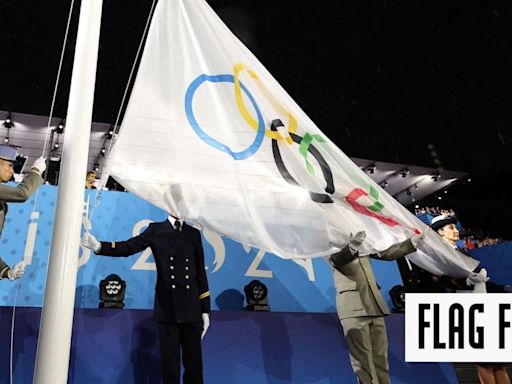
(294, 285)
(497, 259)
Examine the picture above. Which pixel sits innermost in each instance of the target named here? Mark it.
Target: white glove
(206, 323)
(39, 165)
(475, 278)
(480, 288)
(17, 271)
(89, 241)
(416, 239)
(355, 241)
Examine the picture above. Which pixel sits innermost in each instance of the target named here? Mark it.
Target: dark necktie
(177, 226)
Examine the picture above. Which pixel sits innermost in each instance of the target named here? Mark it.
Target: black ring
(326, 170)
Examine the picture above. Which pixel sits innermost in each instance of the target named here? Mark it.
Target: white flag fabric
(210, 136)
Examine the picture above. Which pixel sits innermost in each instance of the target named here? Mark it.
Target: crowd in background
(472, 238)
(434, 211)
(473, 241)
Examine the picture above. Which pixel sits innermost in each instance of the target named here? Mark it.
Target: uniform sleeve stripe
(204, 295)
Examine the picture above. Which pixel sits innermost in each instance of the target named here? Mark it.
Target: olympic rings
(326, 170)
(260, 125)
(292, 121)
(304, 142)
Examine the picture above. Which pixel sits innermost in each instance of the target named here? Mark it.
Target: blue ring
(249, 151)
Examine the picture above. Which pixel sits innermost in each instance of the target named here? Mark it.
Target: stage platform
(121, 346)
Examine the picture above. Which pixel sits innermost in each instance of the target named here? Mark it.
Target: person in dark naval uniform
(182, 298)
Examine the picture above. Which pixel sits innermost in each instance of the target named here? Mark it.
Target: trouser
(177, 338)
(367, 343)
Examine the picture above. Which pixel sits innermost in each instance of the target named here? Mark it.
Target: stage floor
(121, 346)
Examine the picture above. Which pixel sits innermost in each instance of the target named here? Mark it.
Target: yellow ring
(292, 121)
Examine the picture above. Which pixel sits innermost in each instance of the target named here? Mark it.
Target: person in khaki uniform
(19, 194)
(361, 307)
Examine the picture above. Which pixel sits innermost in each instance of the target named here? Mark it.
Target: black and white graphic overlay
(458, 327)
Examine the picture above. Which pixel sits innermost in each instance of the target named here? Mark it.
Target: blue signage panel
(293, 285)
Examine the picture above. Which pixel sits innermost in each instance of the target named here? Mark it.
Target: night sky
(420, 83)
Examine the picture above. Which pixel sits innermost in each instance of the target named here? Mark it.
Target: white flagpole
(52, 359)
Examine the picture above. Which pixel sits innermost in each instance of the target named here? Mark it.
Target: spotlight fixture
(60, 128)
(8, 121)
(112, 290)
(371, 168)
(405, 172)
(397, 294)
(110, 133)
(256, 296)
(435, 176)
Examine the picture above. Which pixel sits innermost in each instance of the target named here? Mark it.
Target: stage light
(256, 296)
(112, 290)
(60, 128)
(371, 168)
(110, 133)
(405, 172)
(397, 294)
(436, 176)
(8, 121)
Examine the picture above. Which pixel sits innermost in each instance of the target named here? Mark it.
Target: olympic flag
(210, 136)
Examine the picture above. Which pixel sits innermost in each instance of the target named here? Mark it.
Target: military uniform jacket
(19, 194)
(357, 292)
(181, 292)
